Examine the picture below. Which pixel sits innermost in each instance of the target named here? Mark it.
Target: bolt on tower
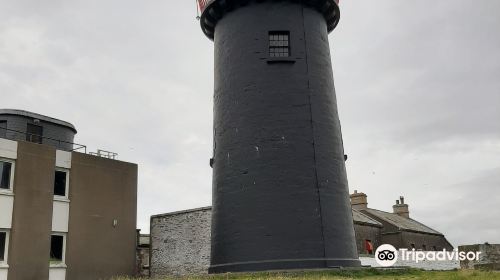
(280, 193)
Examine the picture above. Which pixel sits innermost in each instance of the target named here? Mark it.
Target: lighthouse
(280, 192)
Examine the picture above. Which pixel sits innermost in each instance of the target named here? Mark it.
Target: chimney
(359, 201)
(401, 208)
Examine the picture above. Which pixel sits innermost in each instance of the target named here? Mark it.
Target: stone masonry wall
(180, 243)
(489, 257)
(142, 261)
(363, 233)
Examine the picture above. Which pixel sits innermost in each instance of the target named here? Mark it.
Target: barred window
(279, 44)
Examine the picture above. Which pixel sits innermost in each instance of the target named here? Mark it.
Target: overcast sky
(418, 88)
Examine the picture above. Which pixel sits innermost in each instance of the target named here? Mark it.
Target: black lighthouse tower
(280, 193)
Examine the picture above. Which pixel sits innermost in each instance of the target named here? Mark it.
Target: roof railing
(104, 154)
(35, 138)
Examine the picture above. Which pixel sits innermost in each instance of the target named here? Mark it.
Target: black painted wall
(50, 130)
(280, 194)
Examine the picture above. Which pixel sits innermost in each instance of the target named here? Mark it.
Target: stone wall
(180, 243)
(366, 232)
(142, 261)
(488, 259)
(425, 242)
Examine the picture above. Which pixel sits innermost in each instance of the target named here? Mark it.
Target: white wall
(57, 273)
(63, 159)
(60, 216)
(8, 149)
(3, 273)
(6, 206)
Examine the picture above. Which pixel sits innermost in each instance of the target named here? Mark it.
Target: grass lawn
(372, 274)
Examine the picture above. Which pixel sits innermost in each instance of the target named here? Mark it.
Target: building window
(424, 247)
(4, 245)
(279, 44)
(412, 246)
(34, 133)
(61, 180)
(3, 129)
(434, 248)
(6, 174)
(57, 244)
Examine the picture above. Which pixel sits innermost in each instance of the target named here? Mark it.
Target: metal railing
(35, 138)
(105, 154)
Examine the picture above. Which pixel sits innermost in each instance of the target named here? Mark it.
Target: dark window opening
(5, 170)
(60, 183)
(424, 247)
(279, 44)
(3, 239)
(434, 248)
(368, 246)
(412, 246)
(3, 129)
(34, 133)
(56, 247)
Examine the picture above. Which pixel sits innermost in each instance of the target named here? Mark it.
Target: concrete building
(280, 192)
(180, 241)
(63, 214)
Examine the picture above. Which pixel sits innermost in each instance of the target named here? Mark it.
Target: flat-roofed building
(63, 214)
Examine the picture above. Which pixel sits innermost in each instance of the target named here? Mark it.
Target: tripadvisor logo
(387, 255)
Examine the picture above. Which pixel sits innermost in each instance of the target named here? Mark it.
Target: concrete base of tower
(284, 265)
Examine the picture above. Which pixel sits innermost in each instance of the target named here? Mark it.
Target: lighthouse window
(279, 44)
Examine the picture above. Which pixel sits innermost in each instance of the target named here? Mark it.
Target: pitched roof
(360, 218)
(401, 223)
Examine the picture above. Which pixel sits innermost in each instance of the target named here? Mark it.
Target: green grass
(370, 273)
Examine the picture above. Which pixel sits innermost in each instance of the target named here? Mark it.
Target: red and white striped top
(202, 4)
